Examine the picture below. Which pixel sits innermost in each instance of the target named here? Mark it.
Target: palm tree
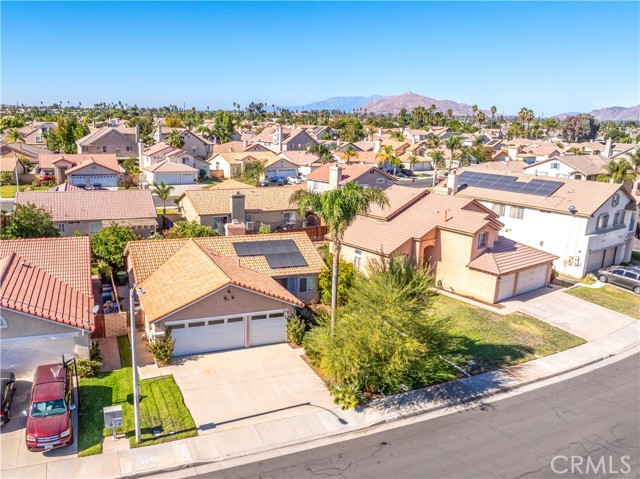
(577, 151)
(397, 135)
(453, 143)
(338, 209)
(481, 117)
(321, 150)
(13, 136)
(493, 113)
(387, 155)
(450, 113)
(438, 162)
(163, 191)
(413, 159)
(434, 141)
(348, 153)
(175, 139)
(618, 171)
(635, 163)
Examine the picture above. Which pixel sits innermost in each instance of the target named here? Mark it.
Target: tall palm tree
(434, 141)
(163, 191)
(398, 136)
(618, 171)
(493, 114)
(348, 153)
(387, 155)
(338, 209)
(481, 117)
(321, 150)
(175, 139)
(14, 135)
(450, 113)
(453, 143)
(438, 159)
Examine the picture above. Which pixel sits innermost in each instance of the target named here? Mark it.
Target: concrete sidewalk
(273, 435)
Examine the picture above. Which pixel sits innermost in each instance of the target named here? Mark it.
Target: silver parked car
(625, 276)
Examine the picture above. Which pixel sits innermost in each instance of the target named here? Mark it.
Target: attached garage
(505, 288)
(531, 279)
(171, 173)
(78, 180)
(281, 172)
(208, 335)
(595, 260)
(175, 178)
(268, 328)
(22, 355)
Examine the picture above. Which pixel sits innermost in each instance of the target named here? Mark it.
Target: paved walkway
(110, 354)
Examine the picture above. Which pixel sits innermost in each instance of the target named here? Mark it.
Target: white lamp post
(136, 391)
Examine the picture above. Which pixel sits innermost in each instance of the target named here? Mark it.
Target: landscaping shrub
(264, 229)
(104, 270)
(347, 396)
(45, 180)
(88, 368)
(5, 178)
(94, 352)
(296, 329)
(162, 348)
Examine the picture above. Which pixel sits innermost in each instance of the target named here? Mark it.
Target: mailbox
(112, 418)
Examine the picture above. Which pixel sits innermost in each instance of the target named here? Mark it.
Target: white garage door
(531, 279)
(595, 260)
(79, 180)
(207, 335)
(188, 178)
(268, 329)
(104, 180)
(609, 257)
(22, 356)
(168, 178)
(505, 290)
(281, 172)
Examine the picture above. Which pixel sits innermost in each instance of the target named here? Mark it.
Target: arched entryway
(428, 258)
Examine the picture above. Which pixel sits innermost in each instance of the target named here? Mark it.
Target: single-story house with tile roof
(331, 176)
(84, 170)
(31, 153)
(305, 161)
(88, 212)
(236, 293)
(46, 302)
(170, 173)
(232, 164)
(11, 164)
(254, 207)
(457, 238)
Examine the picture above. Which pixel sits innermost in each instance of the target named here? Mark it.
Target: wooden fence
(315, 233)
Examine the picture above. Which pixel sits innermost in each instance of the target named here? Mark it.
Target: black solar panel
(278, 253)
(536, 186)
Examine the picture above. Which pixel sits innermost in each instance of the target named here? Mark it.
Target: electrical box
(112, 417)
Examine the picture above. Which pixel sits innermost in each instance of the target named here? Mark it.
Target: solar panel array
(536, 187)
(278, 253)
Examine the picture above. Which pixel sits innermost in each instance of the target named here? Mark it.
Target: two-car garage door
(522, 282)
(205, 335)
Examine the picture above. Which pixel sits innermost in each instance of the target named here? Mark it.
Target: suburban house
(457, 238)
(193, 143)
(229, 165)
(579, 167)
(238, 146)
(237, 292)
(82, 169)
(163, 151)
(88, 212)
(319, 132)
(331, 176)
(34, 134)
(120, 140)
(31, 153)
(279, 139)
(232, 212)
(46, 302)
(415, 135)
(305, 161)
(11, 164)
(587, 224)
(171, 173)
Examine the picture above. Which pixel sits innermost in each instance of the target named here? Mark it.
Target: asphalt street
(587, 426)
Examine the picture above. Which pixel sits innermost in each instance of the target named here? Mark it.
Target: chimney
(338, 142)
(452, 184)
(376, 146)
(235, 229)
(140, 150)
(137, 133)
(237, 206)
(244, 143)
(335, 175)
(279, 137)
(607, 148)
(159, 137)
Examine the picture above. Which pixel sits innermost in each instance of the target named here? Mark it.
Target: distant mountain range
(343, 103)
(613, 113)
(410, 100)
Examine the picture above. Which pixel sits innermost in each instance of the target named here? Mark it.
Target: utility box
(112, 418)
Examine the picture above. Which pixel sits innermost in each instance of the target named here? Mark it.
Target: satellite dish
(96, 308)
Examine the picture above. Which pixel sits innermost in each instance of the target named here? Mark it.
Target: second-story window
(603, 221)
(615, 201)
(516, 212)
(482, 240)
(498, 208)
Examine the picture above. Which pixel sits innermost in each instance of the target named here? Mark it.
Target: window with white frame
(499, 208)
(603, 221)
(615, 200)
(516, 212)
(380, 181)
(289, 217)
(185, 160)
(248, 216)
(357, 262)
(308, 284)
(104, 149)
(555, 165)
(38, 139)
(61, 227)
(618, 217)
(129, 148)
(95, 227)
(217, 165)
(85, 149)
(482, 240)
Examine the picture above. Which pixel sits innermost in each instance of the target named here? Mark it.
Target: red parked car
(49, 419)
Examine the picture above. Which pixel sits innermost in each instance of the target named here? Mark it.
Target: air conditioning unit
(250, 225)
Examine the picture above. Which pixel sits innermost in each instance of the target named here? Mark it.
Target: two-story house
(171, 165)
(83, 170)
(119, 140)
(579, 167)
(194, 144)
(331, 176)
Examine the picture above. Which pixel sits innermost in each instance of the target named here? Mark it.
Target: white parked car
(296, 180)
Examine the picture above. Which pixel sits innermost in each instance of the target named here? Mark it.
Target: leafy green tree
(338, 209)
(189, 229)
(28, 166)
(65, 135)
(516, 130)
(352, 130)
(5, 178)
(29, 221)
(398, 136)
(109, 244)
(131, 166)
(14, 136)
(173, 122)
(163, 192)
(322, 150)
(145, 125)
(346, 278)
(403, 117)
(617, 171)
(583, 127)
(453, 144)
(174, 138)
(253, 171)
(9, 121)
(386, 155)
(223, 128)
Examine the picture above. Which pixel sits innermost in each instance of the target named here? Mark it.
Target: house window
(235, 320)
(482, 240)
(94, 228)
(85, 149)
(213, 322)
(615, 201)
(38, 139)
(380, 181)
(219, 219)
(129, 148)
(217, 165)
(499, 208)
(104, 149)
(247, 217)
(61, 227)
(618, 218)
(555, 166)
(196, 324)
(357, 262)
(603, 221)
(117, 149)
(291, 285)
(289, 217)
(308, 284)
(185, 160)
(516, 212)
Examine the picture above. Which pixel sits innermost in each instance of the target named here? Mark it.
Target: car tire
(602, 278)
(636, 290)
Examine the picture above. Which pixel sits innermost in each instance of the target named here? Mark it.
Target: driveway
(14, 451)
(243, 387)
(577, 316)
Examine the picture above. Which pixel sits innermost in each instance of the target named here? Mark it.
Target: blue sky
(552, 57)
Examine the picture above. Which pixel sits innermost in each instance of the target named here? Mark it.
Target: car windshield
(48, 408)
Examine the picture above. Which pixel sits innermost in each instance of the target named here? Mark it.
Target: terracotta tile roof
(368, 157)
(229, 147)
(399, 198)
(109, 160)
(586, 164)
(67, 187)
(157, 148)
(147, 256)
(231, 184)
(67, 259)
(217, 201)
(29, 289)
(172, 286)
(30, 151)
(300, 157)
(349, 172)
(449, 213)
(100, 132)
(8, 162)
(92, 205)
(507, 256)
(240, 157)
(167, 166)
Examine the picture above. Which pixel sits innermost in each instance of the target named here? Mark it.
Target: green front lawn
(9, 191)
(161, 408)
(495, 341)
(611, 298)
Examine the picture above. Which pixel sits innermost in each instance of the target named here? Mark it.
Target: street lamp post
(136, 391)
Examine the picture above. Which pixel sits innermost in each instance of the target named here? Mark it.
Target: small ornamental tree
(29, 221)
(162, 348)
(109, 244)
(189, 229)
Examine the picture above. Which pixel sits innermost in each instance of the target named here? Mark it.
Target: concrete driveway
(577, 316)
(13, 450)
(238, 388)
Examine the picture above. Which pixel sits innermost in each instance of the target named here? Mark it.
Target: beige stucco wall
(215, 305)
(93, 170)
(83, 227)
(113, 141)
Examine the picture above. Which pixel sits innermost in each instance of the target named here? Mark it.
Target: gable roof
(172, 286)
(108, 160)
(8, 162)
(217, 201)
(587, 165)
(300, 157)
(507, 256)
(94, 136)
(350, 172)
(94, 205)
(31, 152)
(399, 197)
(168, 166)
(148, 255)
